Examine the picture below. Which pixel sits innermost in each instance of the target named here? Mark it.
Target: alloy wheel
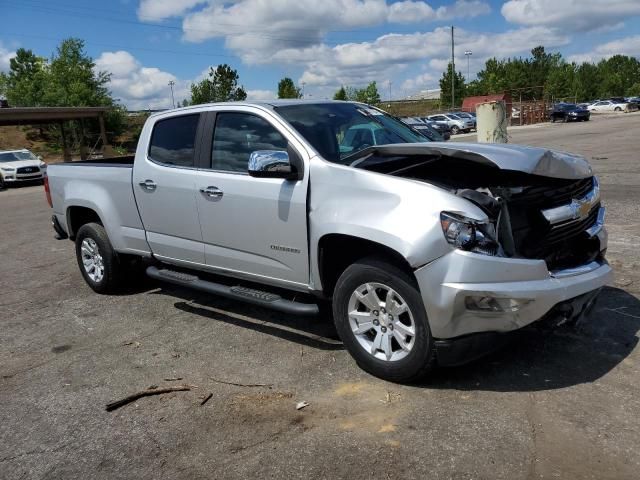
(381, 321)
(92, 260)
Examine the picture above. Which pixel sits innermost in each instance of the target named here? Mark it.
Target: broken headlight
(468, 234)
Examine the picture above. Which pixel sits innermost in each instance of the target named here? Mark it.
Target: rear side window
(173, 141)
(237, 135)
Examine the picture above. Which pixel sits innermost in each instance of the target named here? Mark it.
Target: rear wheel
(380, 317)
(617, 109)
(455, 130)
(98, 261)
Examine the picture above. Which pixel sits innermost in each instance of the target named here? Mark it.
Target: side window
(237, 135)
(173, 141)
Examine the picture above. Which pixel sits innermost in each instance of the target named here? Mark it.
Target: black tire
(3, 185)
(112, 279)
(455, 130)
(586, 119)
(422, 356)
(617, 109)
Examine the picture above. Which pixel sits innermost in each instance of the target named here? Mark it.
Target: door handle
(148, 185)
(213, 192)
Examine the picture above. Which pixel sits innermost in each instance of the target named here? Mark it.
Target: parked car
(608, 106)
(426, 129)
(19, 166)
(515, 112)
(454, 122)
(442, 128)
(567, 112)
(410, 242)
(466, 115)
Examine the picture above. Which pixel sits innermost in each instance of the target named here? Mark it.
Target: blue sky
(323, 43)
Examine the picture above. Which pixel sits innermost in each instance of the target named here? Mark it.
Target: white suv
(18, 166)
(454, 122)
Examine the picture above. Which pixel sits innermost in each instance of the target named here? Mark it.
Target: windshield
(340, 130)
(15, 156)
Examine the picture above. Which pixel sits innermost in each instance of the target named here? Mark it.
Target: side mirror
(272, 164)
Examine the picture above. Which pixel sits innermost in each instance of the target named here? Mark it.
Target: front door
(253, 227)
(165, 186)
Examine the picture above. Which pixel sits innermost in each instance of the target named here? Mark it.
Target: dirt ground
(551, 405)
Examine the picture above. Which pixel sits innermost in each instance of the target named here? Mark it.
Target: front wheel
(98, 261)
(380, 317)
(617, 109)
(455, 130)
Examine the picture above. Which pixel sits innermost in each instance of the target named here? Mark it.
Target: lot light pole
(468, 54)
(171, 84)
(302, 83)
(453, 73)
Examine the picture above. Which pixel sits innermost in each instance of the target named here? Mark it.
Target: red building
(469, 103)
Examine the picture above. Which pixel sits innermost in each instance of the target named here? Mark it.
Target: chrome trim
(572, 272)
(596, 228)
(578, 209)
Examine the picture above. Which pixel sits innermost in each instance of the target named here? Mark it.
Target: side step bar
(244, 294)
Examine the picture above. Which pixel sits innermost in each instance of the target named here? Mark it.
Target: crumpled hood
(520, 158)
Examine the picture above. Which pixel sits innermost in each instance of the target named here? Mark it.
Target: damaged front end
(540, 204)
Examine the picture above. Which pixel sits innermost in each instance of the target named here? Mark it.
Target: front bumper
(22, 177)
(460, 350)
(446, 283)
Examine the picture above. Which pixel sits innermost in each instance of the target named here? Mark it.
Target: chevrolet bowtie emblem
(581, 208)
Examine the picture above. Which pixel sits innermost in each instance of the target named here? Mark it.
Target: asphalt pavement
(561, 404)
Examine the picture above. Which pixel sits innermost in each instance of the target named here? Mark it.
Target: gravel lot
(560, 405)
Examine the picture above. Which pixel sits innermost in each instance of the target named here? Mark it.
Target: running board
(244, 294)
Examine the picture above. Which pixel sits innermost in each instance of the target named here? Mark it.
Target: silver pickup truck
(430, 253)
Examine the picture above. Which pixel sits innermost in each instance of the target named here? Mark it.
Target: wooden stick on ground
(242, 384)
(207, 398)
(145, 393)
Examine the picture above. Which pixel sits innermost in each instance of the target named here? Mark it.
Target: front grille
(23, 170)
(550, 196)
(562, 245)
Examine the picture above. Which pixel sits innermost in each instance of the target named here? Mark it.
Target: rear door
(165, 181)
(252, 227)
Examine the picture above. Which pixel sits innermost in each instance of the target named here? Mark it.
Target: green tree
(634, 90)
(369, 94)
(73, 80)
(618, 74)
(221, 86)
(449, 77)
(288, 89)
(341, 94)
(27, 78)
(3, 84)
(562, 83)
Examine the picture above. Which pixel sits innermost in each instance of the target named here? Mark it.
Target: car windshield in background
(567, 106)
(16, 156)
(340, 130)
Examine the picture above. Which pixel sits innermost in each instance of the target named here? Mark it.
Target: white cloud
(137, 86)
(624, 46)
(154, 10)
(574, 15)
(359, 63)
(5, 56)
(255, 29)
(260, 95)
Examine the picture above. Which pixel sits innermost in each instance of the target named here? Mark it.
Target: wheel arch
(77, 216)
(337, 251)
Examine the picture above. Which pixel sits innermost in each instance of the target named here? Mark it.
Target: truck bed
(105, 187)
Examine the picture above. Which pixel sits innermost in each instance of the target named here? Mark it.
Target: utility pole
(389, 90)
(171, 84)
(468, 54)
(453, 72)
(303, 83)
